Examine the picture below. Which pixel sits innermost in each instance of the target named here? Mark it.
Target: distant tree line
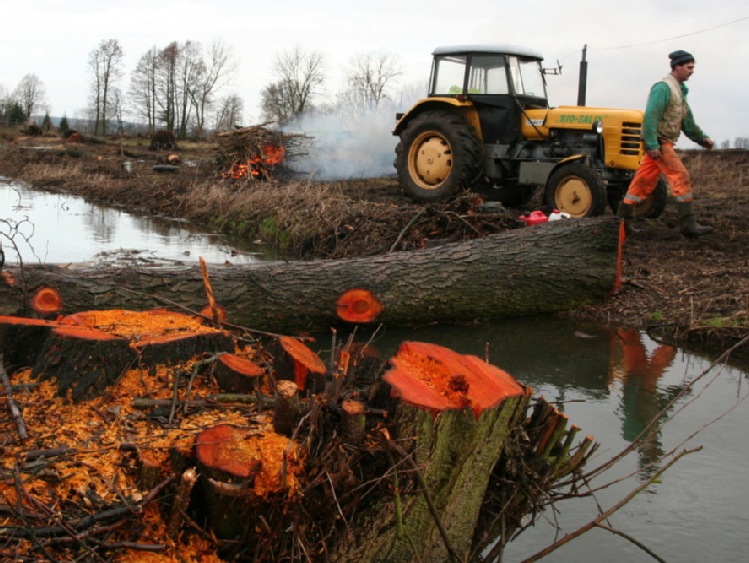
(178, 88)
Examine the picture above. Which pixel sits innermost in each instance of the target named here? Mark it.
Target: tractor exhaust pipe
(582, 85)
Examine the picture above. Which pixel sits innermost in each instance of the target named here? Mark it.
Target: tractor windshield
(527, 77)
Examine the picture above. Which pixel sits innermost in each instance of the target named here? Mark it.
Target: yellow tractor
(486, 125)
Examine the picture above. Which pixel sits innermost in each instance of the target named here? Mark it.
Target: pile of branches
(243, 145)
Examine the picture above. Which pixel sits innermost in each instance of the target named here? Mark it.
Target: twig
(337, 503)
(181, 500)
(593, 523)
(195, 368)
(629, 538)
(31, 455)
(12, 406)
(209, 290)
(175, 395)
(406, 228)
(150, 547)
(219, 400)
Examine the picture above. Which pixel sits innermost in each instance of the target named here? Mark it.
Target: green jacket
(658, 101)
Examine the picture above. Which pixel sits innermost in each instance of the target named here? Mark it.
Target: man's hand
(708, 143)
(655, 154)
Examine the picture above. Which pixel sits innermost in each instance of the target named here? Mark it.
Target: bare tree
(5, 101)
(142, 91)
(190, 68)
(116, 105)
(30, 94)
(216, 71)
(166, 85)
(276, 104)
(229, 112)
(105, 63)
(299, 75)
(371, 74)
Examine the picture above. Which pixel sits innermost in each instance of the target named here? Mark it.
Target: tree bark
(542, 269)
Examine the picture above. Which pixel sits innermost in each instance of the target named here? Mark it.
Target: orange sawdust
(139, 325)
(96, 446)
(437, 378)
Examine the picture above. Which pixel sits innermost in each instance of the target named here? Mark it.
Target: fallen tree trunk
(543, 269)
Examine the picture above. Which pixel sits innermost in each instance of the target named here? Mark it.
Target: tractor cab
(499, 80)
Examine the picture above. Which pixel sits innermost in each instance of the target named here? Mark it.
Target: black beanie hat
(680, 57)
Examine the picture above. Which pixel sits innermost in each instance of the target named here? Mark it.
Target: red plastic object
(534, 218)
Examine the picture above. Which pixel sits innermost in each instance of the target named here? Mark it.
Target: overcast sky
(628, 43)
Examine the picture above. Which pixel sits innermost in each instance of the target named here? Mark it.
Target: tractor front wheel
(576, 189)
(651, 208)
(438, 154)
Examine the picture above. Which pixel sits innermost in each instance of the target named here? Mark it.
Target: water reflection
(612, 383)
(59, 228)
(642, 398)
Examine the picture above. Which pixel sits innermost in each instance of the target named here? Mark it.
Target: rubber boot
(689, 226)
(626, 213)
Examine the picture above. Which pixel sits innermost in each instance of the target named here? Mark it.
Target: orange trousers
(650, 170)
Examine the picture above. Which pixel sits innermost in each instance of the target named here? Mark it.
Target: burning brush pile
(254, 152)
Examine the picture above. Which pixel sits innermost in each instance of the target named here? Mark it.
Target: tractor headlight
(597, 127)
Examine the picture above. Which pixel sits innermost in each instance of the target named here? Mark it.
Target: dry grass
(288, 214)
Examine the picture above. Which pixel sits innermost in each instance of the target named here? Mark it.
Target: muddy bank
(692, 291)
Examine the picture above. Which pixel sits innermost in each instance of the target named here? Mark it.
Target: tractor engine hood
(537, 123)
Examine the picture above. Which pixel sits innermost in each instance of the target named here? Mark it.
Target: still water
(610, 382)
(59, 228)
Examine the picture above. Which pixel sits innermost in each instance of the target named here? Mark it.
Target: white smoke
(348, 144)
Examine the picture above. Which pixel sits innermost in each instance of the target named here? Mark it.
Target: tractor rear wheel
(655, 203)
(576, 189)
(438, 154)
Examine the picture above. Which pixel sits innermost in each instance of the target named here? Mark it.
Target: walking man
(667, 114)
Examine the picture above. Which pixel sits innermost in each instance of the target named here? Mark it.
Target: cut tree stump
(240, 471)
(21, 339)
(83, 361)
(545, 269)
(292, 359)
(88, 351)
(237, 375)
(453, 414)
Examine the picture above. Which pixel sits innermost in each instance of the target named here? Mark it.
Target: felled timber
(542, 269)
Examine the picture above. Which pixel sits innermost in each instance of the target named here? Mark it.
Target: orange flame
(270, 155)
